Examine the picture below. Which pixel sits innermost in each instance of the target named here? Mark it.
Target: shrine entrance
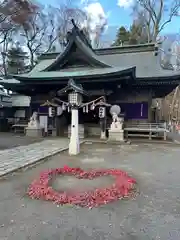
(55, 116)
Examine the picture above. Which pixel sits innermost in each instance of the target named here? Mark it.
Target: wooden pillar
(103, 128)
(102, 116)
(60, 124)
(57, 123)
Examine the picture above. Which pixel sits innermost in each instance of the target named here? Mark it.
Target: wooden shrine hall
(128, 76)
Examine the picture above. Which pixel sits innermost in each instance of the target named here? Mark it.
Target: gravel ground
(154, 214)
(11, 140)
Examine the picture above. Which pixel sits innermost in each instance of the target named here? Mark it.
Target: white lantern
(59, 110)
(102, 111)
(63, 107)
(52, 111)
(93, 106)
(75, 98)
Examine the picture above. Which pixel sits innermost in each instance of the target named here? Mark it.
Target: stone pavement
(18, 157)
(174, 136)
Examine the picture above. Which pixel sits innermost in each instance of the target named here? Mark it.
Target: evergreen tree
(134, 34)
(137, 35)
(122, 37)
(16, 60)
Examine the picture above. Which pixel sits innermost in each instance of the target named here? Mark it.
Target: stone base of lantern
(74, 148)
(116, 135)
(103, 135)
(81, 130)
(34, 132)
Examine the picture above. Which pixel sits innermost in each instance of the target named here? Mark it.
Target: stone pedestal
(74, 139)
(103, 135)
(81, 131)
(54, 133)
(33, 132)
(116, 135)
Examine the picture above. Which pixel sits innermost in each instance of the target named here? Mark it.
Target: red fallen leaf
(122, 186)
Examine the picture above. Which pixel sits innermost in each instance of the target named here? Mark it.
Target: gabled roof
(145, 57)
(86, 50)
(142, 60)
(76, 41)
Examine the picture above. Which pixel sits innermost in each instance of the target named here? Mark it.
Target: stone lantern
(75, 94)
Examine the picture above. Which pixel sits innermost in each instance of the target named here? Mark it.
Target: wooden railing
(150, 130)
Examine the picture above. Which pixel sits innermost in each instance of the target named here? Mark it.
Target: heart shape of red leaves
(40, 188)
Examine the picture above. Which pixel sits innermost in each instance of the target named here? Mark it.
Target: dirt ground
(154, 214)
(11, 140)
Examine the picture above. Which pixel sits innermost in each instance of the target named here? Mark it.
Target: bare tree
(143, 19)
(37, 28)
(154, 12)
(52, 31)
(39, 33)
(6, 32)
(48, 28)
(64, 14)
(13, 13)
(99, 29)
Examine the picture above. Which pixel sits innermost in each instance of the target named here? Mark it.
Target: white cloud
(125, 3)
(96, 14)
(97, 18)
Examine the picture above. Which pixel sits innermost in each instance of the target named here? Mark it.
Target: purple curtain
(135, 110)
(37, 108)
(43, 109)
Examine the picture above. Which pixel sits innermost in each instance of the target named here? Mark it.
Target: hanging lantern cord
(84, 105)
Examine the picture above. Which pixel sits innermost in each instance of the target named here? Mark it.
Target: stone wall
(93, 130)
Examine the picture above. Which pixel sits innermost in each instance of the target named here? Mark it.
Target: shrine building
(128, 76)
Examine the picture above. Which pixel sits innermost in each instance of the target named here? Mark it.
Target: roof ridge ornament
(80, 33)
(49, 104)
(72, 86)
(71, 83)
(74, 24)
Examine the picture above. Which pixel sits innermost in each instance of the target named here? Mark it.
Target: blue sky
(116, 15)
(122, 16)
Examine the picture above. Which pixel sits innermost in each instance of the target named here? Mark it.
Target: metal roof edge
(49, 55)
(112, 70)
(169, 78)
(110, 50)
(147, 47)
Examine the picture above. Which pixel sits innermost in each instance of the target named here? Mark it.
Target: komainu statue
(34, 122)
(117, 122)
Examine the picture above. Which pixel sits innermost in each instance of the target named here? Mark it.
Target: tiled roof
(144, 57)
(146, 63)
